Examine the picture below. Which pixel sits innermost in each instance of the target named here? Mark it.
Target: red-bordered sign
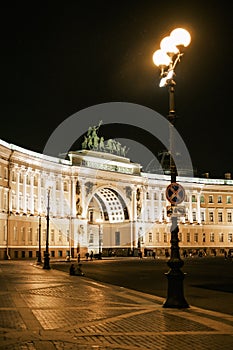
(175, 193)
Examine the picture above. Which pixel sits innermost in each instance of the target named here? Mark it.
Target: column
(24, 192)
(198, 208)
(32, 193)
(61, 197)
(190, 214)
(17, 191)
(39, 209)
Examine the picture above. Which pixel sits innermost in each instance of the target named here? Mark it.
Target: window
(219, 199)
(211, 237)
(150, 237)
(202, 199)
(194, 199)
(23, 233)
(59, 253)
(230, 239)
(211, 216)
(203, 237)
(15, 234)
(91, 238)
(229, 217)
(194, 216)
(165, 237)
(155, 196)
(30, 234)
(157, 237)
(147, 195)
(5, 173)
(117, 238)
(219, 216)
(180, 236)
(188, 236)
(221, 237)
(202, 216)
(59, 236)
(195, 237)
(228, 199)
(30, 254)
(211, 199)
(65, 186)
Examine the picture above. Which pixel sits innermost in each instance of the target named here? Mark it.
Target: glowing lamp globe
(168, 45)
(160, 58)
(180, 36)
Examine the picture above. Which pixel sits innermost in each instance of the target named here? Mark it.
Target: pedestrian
(154, 254)
(79, 257)
(72, 270)
(87, 256)
(91, 255)
(140, 254)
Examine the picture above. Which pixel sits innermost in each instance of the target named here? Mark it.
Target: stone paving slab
(50, 310)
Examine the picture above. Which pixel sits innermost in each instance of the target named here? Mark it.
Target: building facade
(102, 202)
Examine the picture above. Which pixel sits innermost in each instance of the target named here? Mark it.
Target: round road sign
(175, 193)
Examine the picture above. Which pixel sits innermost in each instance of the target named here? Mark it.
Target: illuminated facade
(103, 202)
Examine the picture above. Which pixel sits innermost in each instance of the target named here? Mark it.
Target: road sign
(175, 193)
(176, 211)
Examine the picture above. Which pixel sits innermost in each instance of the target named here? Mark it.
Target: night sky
(58, 58)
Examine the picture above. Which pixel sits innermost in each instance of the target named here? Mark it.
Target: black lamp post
(46, 257)
(166, 59)
(39, 238)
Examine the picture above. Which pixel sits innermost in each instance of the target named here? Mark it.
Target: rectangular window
(202, 199)
(188, 236)
(211, 199)
(155, 196)
(117, 238)
(194, 216)
(23, 233)
(229, 217)
(219, 216)
(59, 253)
(228, 199)
(150, 237)
(91, 238)
(202, 216)
(203, 237)
(230, 239)
(211, 237)
(180, 236)
(165, 237)
(52, 254)
(221, 237)
(194, 199)
(157, 237)
(195, 237)
(30, 254)
(15, 234)
(219, 199)
(147, 195)
(59, 236)
(211, 216)
(30, 234)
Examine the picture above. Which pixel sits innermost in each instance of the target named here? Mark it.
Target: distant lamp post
(39, 261)
(46, 257)
(166, 59)
(99, 222)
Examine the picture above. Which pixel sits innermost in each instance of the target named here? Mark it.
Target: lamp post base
(46, 262)
(175, 292)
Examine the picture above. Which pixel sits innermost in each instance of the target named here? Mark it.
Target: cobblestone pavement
(48, 309)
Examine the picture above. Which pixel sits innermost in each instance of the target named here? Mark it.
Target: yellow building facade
(102, 202)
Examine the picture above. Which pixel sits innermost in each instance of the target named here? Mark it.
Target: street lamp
(39, 238)
(99, 221)
(46, 257)
(166, 59)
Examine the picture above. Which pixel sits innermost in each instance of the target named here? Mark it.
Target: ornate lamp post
(39, 239)
(46, 257)
(99, 221)
(166, 59)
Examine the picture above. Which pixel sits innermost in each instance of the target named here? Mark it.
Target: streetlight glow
(168, 45)
(160, 58)
(180, 36)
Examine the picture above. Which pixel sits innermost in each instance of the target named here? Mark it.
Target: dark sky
(58, 58)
